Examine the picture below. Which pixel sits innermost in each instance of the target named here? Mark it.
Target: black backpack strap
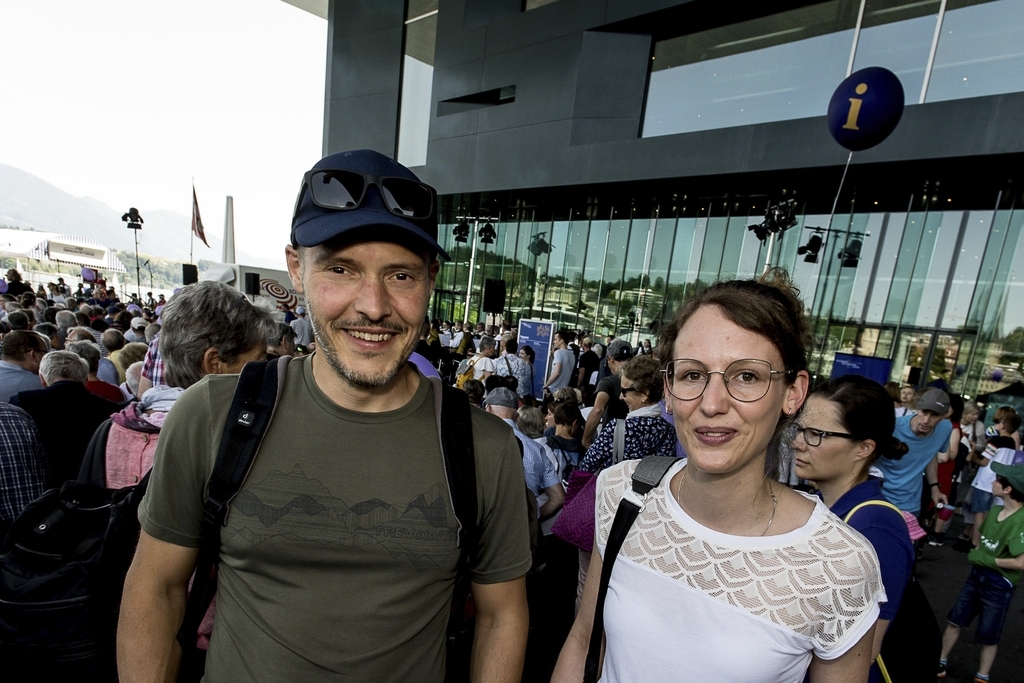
(94, 464)
(256, 395)
(646, 476)
(456, 432)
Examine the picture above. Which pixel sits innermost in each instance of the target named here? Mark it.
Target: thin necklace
(771, 492)
(775, 506)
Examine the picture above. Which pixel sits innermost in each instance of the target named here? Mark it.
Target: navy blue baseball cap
(371, 185)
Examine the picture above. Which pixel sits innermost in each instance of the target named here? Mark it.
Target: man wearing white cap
(303, 328)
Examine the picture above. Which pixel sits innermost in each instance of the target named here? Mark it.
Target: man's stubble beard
(360, 380)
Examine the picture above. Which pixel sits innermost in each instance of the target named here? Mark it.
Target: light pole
(134, 221)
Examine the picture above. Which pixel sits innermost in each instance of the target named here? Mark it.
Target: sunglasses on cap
(342, 190)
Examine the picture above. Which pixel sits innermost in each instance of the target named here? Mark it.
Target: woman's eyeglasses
(813, 437)
(746, 380)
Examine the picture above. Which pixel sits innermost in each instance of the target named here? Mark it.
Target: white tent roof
(49, 246)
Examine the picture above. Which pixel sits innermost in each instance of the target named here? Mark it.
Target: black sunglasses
(342, 190)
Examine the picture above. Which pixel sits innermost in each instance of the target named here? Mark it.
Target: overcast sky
(126, 100)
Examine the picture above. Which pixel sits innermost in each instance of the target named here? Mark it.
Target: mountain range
(30, 203)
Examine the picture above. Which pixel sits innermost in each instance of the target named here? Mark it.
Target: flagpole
(192, 233)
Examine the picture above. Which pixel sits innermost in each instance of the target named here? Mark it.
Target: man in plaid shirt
(22, 462)
(152, 367)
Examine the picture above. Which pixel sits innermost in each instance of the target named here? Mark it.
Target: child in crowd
(998, 565)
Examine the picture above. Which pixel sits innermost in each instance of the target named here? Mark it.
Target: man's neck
(392, 396)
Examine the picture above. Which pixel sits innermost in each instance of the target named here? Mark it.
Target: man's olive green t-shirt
(339, 553)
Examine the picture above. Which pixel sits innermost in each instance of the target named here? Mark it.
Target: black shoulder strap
(460, 468)
(94, 464)
(256, 395)
(646, 476)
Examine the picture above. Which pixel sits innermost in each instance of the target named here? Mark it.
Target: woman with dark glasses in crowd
(843, 428)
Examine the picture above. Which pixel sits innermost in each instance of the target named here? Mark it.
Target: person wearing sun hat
(997, 567)
(353, 574)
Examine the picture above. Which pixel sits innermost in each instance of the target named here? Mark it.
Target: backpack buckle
(632, 497)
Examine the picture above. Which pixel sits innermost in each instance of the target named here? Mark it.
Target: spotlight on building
(810, 250)
(539, 245)
(777, 218)
(851, 254)
(487, 233)
(461, 231)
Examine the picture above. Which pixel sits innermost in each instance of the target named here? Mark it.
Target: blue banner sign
(866, 366)
(537, 334)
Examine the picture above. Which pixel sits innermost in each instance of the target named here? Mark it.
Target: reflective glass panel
(979, 51)
(863, 279)
(636, 279)
(417, 82)
(892, 227)
(931, 271)
(611, 286)
(780, 67)
(898, 34)
(968, 266)
(593, 271)
(683, 270)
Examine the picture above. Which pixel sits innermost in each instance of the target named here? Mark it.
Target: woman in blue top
(843, 428)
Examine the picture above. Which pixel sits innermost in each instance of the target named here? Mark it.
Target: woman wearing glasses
(727, 575)
(843, 428)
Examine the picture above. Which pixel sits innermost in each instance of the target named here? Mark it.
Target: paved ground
(942, 572)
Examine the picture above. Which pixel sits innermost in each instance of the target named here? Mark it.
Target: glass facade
(936, 290)
(786, 65)
(417, 81)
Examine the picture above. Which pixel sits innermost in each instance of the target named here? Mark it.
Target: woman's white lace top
(687, 603)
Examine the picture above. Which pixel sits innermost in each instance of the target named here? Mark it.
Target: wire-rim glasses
(813, 436)
(747, 380)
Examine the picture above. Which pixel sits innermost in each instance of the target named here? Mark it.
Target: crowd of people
(777, 546)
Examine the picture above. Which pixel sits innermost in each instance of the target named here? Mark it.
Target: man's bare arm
(502, 625)
(152, 606)
(594, 418)
(932, 471)
(556, 498)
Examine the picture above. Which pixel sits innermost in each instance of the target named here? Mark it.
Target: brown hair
(893, 390)
(769, 306)
(645, 373)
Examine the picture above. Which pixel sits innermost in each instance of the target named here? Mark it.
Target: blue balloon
(865, 108)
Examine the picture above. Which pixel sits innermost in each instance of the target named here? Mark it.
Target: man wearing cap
(997, 568)
(607, 402)
(339, 554)
(302, 327)
(926, 434)
(137, 333)
(541, 475)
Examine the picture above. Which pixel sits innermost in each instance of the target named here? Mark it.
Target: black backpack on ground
(252, 409)
(62, 569)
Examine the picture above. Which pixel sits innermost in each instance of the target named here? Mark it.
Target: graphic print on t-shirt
(294, 507)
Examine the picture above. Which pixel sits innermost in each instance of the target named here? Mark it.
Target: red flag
(197, 222)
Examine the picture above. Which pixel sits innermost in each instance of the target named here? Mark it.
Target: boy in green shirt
(998, 565)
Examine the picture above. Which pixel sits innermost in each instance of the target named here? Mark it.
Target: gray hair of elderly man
(132, 377)
(208, 315)
(58, 366)
(88, 351)
(66, 320)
